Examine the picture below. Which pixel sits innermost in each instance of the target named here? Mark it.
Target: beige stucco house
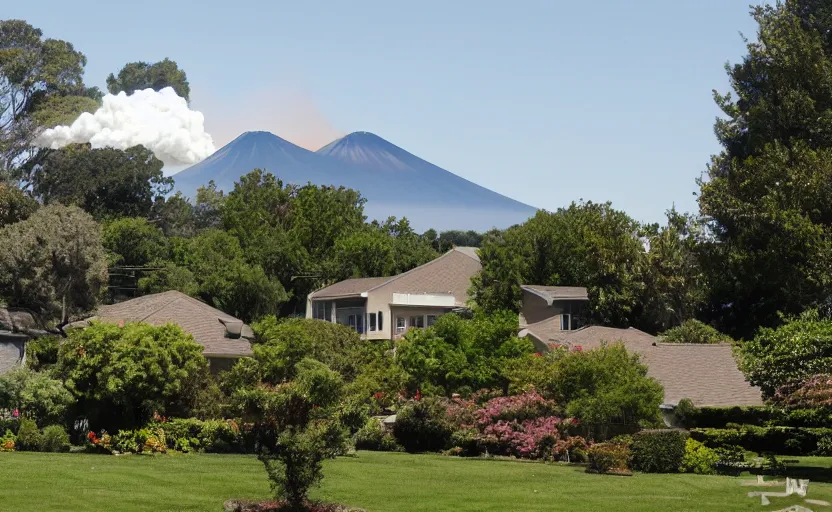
(383, 308)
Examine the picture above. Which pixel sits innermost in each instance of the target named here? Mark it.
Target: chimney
(233, 328)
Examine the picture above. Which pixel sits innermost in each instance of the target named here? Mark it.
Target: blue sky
(544, 101)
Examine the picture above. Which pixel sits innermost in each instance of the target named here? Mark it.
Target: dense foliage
(659, 451)
(460, 355)
(601, 386)
(53, 263)
(694, 331)
(800, 348)
(35, 395)
(122, 375)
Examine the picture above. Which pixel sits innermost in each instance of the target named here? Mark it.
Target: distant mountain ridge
(394, 181)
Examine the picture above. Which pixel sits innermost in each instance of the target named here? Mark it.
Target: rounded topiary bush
(54, 439)
(29, 437)
(422, 426)
(659, 451)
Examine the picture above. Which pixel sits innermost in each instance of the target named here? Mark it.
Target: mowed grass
(378, 482)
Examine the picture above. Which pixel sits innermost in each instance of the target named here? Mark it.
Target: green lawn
(379, 482)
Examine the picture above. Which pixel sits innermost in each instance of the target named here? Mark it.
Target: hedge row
(725, 417)
(778, 440)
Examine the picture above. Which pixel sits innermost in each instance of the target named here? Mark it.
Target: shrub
(7, 441)
(824, 446)
(698, 458)
(37, 395)
(694, 331)
(54, 439)
(608, 458)
(779, 440)
(42, 353)
(144, 440)
(220, 436)
(29, 438)
(9, 424)
(372, 436)
(122, 375)
(422, 426)
(658, 451)
(466, 441)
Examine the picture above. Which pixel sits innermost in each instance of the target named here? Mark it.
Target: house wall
(408, 312)
(535, 309)
(448, 274)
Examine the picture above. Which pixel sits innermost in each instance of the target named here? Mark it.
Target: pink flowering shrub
(525, 425)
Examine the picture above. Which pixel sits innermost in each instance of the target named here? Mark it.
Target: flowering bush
(7, 441)
(529, 439)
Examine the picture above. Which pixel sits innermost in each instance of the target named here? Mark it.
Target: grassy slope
(379, 482)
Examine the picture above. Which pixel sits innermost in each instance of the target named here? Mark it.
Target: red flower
(418, 395)
(579, 348)
(379, 396)
(537, 354)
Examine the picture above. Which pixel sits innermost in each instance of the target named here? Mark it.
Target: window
(322, 311)
(380, 326)
(417, 322)
(372, 322)
(356, 323)
(564, 322)
(401, 324)
(431, 320)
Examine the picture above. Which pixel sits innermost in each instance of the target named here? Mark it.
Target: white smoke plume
(160, 121)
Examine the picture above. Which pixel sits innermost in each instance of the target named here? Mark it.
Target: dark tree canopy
(768, 194)
(105, 182)
(137, 76)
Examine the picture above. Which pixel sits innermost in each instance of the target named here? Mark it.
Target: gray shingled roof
(193, 316)
(350, 287)
(552, 293)
(445, 274)
(706, 374)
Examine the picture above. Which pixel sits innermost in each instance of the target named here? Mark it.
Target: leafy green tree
(36, 395)
(456, 354)
(694, 331)
(586, 244)
(104, 182)
(297, 427)
(171, 277)
(41, 84)
(798, 349)
(601, 386)
(122, 375)
(53, 262)
(208, 207)
(768, 194)
(366, 253)
(137, 76)
(15, 206)
(225, 279)
(174, 215)
(676, 283)
(134, 242)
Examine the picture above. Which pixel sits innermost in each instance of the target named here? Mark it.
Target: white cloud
(160, 121)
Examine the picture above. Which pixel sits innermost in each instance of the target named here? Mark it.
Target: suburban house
(706, 374)
(383, 308)
(223, 337)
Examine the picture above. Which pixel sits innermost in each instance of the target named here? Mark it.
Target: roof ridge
(160, 306)
(456, 248)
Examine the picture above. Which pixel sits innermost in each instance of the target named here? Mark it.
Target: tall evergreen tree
(768, 194)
